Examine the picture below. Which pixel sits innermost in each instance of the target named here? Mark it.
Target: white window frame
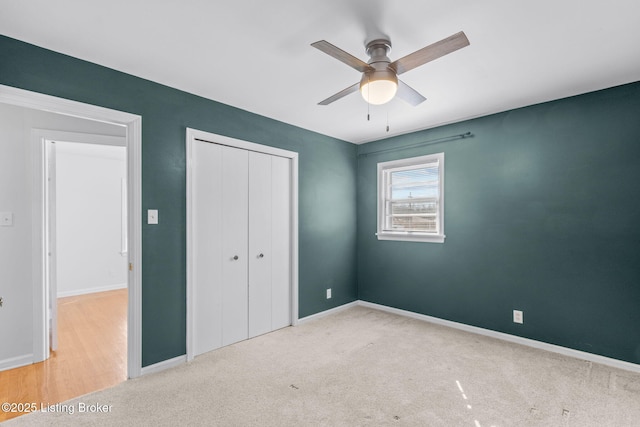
(414, 162)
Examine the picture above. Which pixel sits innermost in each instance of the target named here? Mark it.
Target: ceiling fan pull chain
(387, 120)
(368, 104)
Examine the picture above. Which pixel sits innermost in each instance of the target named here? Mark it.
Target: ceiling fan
(379, 82)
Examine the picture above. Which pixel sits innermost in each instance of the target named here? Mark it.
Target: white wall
(16, 314)
(15, 242)
(89, 218)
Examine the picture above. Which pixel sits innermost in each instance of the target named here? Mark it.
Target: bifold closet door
(269, 243)
(241, 239)
(220, 242)
(235, 241)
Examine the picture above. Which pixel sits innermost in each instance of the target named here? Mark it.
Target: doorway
(132, 124)
(85, 217)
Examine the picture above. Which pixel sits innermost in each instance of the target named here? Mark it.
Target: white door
(241, 242)
(234, 240)
(269, 237)
(220, 245)
(51, 283)
(207, 251)
(281, 220)
(260, 253)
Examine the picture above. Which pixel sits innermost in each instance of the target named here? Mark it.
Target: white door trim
(43, 204)
(133, 123)
(192, 136)
(49, 244)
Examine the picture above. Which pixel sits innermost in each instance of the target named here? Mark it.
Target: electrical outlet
(518, 316)
(329, 293)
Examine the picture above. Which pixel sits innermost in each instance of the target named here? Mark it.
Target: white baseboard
(16, 362)
(615, 363)
(165, 364)
(85, 291)
(327, 312)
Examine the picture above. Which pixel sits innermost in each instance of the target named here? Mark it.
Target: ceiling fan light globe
(379, 87)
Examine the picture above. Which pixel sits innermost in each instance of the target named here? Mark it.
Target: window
(411, 199)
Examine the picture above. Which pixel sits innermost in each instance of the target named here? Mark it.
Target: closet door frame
(193, 136)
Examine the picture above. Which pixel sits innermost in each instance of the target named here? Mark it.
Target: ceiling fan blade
(341, 94)
(341, 55)
(409, 94)
(431, 52)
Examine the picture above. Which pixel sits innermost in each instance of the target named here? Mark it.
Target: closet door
(241, 240)
(269, 243)
(220, 235)
(235, 207)
(281, 242)
(260, 251)
(207, 246)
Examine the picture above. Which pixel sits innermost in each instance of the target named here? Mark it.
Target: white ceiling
(255, 54)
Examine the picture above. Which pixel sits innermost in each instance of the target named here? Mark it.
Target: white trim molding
(329, 312)
(164, 365)
(194, 135)
(595, 358)
(615, 363)
(385, 230)
(133, 123)
(86, 291)
(16, 362)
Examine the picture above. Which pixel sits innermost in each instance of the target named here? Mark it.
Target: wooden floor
(91, 355)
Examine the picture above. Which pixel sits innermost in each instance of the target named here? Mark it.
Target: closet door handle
(261, 256)
(235, 258)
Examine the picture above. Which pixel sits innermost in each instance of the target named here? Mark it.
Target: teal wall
(542, 214)
(327, 209)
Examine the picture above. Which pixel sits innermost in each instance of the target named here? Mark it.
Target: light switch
(152, 216)
(6, 219)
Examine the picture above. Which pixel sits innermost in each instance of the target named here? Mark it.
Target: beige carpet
(363, 367)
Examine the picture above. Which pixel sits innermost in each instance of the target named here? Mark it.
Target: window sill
(411, 237)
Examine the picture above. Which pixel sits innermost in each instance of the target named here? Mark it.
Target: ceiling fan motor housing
(379, 84)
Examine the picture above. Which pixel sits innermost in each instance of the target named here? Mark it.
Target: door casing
(133, 124)
(194, 135)
(43, 146)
